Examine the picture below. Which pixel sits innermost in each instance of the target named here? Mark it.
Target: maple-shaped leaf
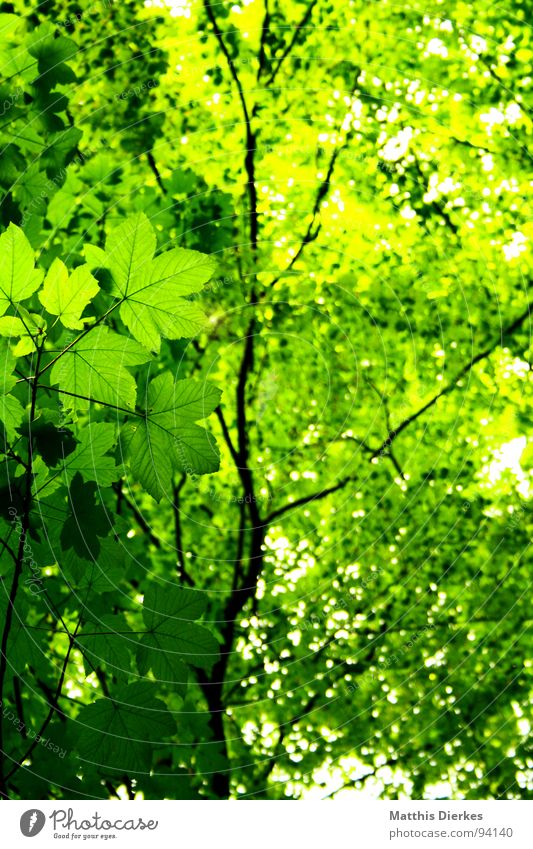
(167, 439)
(122, 731)
(172, 637)
(152, 290)
(19, 278)
(96, 368)
(67, 295)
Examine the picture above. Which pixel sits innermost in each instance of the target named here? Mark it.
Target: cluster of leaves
(38, 141)
(74, 428)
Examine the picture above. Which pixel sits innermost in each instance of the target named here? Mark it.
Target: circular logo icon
(32, 822)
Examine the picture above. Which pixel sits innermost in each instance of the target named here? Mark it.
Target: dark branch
(227, 436)
(139, 518)
(54, 705)
(307, 499)
(182, 571)
(153, 165)
(482, 355)
(314, 228)
(264, 32)
(293, 42)
(249, 161)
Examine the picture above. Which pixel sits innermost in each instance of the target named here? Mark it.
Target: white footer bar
(268, 825)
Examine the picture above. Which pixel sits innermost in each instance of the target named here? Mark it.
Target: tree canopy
(266, 359)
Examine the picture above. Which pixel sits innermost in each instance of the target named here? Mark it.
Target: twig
(307, 499)
(395, 432)
(303, 23)
(17, 570)
(53, 707)
(183, 574)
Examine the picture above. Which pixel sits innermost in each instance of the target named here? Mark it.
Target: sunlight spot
(507, 458)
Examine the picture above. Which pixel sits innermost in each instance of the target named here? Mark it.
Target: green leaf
(150, 315)
(172, 635)
(18, 277)
(12, 326)
(96, 367)
(11, 415)
(86, 521)
(109, 640)
(89, 457)
(49, 50)
(11, 410)
(129, 249)
(168, 600)
(61, 149)
(167, 440)
(121, 732)
(51, 53)
(157, 653)
(151, 458)
(152, 290)
(23, 646)
(7, 367)
(101, 575)
(67, 296)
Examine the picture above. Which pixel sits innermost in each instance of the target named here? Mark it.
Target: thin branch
(307, 499)
(395, 463)
(139, 518)
(81, 336)
(348, 784)
(249, 161)
(264, 32)
(247, 364)
(227, 436)
(153, 165)
(303, 23)
(183, 574)
(94, 401)
(504, 85)
(467, 143)
(438, 206)
(18, 704)
(248, 355)
(384, 403)
(7, 547)
(482, 355)
(54, 705)
(237, 571)
(384, 450)
(17, 570)
(314, 228)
